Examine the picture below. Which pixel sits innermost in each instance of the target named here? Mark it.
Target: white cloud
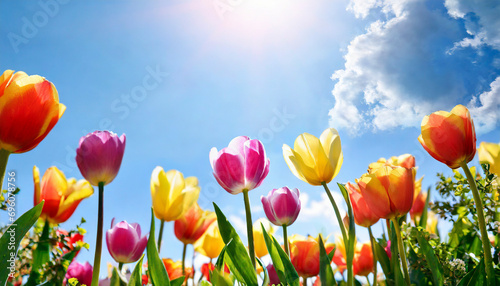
(321, 210)
(415, 59)
(486, 112)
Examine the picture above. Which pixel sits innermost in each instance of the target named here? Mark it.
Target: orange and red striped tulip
(193, 224)
(362, 263)
(363, 215)
(61, 196)
(405, 160)
(449, 137)
(29, 109)
(388, 191)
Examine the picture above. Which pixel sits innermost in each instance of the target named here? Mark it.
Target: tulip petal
(313, 155)
(401, 189)
(76, 192)
(299, 168)
(375, 196)
(330, 140)
(230, 170)
(237, 145)
(255, 162)
(489, 153)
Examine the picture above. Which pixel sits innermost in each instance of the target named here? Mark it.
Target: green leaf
(325, 269)
(282, 264)
(116, 278)
(352, 228)
(206, 283)
(41, 254)
(395, 263)
(236, 251)
(434, 265)
(157, 271)
(383, 259)
(10, 240)
(423, 217)
(177, 281)
(218, 278)
(220, 260)
(136, 276)
(476, 277)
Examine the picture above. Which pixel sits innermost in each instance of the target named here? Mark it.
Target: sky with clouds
(181, 77)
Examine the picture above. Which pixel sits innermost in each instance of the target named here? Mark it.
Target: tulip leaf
(206, 283)
(281, 262)
(116, 278)
(236, 251)
(475, 277)
(136, 276)
(396, 265)
(325, 269)
(351, 237)
(423, 217)
(383, 259)
(177, 281)
(218, 278)
(10, 240)
(157, 271)
(434, 264)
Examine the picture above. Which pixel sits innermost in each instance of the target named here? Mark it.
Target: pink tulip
(242, 165)
(82, 272)
(388, 249)
(99, 156)
(124, 242)
(282, 206)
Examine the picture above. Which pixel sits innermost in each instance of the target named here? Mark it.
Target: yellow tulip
(489, 153)
(210, 244)
(172, 195)
(258, 236)
(314, 160)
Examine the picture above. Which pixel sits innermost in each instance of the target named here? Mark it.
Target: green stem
(372, 241)
(401, 249)
(345, 238)
(120, 267)
(98, 248)
(184, 259)
(285, 239)
(482, 224)
(160, 235)
(251, 247)
(4, 158)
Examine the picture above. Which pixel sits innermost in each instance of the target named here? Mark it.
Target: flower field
(36, 250)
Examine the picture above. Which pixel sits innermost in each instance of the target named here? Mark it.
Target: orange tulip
(363, 215)
(362, 261)
(61, 196)
(449, 137)
(304, 254)
(388, 191)
(174, 269)
(191, 226)
(405, 160)
(29, 109)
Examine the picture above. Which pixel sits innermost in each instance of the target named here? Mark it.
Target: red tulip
(190, 227)
(363, 215)
(29, 109)
(449, 137)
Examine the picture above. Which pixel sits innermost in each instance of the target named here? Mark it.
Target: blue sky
(181, 77)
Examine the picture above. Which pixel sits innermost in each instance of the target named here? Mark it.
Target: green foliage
(157, 271)
(325, 268)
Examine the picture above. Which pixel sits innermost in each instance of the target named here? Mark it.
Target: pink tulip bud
(273, 275)
(282, 206)
(82, 272)
(388, 249)
(99, 156)
(124, 242)
(242, 165)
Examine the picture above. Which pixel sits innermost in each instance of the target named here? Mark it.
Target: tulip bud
(282, 206)
(124, 242)
(242, 165)
(82, 272)
(99, 156)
